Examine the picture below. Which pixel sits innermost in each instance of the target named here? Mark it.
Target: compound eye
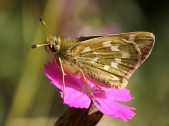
(53, 47)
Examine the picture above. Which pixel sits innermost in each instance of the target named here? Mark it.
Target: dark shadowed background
(26, 96)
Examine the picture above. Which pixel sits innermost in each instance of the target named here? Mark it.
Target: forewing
(112, 59)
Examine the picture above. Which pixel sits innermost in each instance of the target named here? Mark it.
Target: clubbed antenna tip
(41, 20)
(34, 46)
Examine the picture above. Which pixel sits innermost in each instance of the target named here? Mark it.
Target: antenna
(39, 45)
(43, 22)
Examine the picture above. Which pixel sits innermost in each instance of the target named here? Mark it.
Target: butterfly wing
(111, 60)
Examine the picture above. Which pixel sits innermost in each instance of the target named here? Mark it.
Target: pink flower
(76, 94)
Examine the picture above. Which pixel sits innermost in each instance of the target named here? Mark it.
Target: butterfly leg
(88, 88)
(63, 75)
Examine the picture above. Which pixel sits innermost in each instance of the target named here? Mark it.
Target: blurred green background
(26, 96)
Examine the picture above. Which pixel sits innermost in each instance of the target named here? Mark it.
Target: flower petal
(53, 72)
(76, 98)
(73, 95)
(118, 94)
(114, 109)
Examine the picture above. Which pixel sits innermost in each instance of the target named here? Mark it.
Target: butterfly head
(52, 44)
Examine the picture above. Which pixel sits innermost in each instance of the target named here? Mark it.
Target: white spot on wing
(114, 65)
(125, 55)
(87, 49)
(94, 60)
(118, 60)
(106, 67)
(107, 44)
(95, 53)
(115, 77)
(115, 48)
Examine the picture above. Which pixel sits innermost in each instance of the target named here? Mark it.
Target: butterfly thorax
(57, 48)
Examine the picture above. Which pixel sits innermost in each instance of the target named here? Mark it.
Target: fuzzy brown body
(108, 60)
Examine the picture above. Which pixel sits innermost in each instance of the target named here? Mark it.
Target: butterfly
(107, 61)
